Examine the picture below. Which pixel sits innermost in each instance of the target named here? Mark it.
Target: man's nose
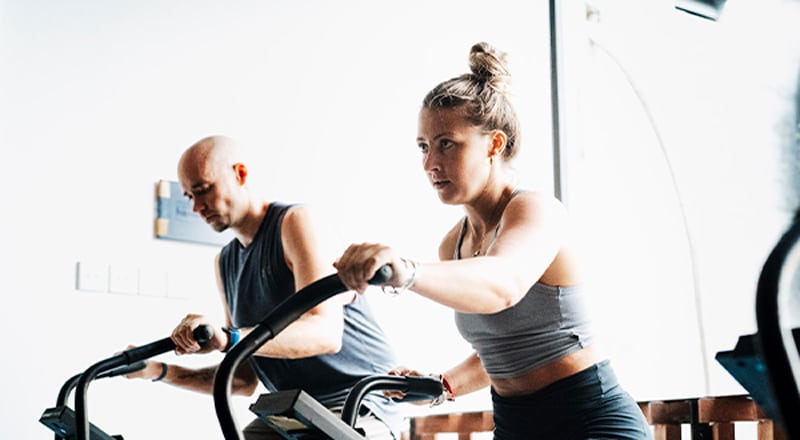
(198, 206)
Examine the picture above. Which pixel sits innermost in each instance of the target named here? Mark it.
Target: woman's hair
(482, 94)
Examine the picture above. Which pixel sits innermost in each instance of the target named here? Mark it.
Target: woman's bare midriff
(545, 375)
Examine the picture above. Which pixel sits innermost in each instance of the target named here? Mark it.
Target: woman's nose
(430, 162)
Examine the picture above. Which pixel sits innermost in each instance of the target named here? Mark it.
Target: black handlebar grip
(203, 334)
(382, 275)
(422, 388)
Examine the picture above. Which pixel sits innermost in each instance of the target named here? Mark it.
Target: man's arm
(200, 380)
(318, 331)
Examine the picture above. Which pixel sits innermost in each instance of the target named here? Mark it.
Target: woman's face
(455, 154)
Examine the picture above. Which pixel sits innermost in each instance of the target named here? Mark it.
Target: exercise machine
(309, 418)
(74, 425)
(298, 416)
(777, 285)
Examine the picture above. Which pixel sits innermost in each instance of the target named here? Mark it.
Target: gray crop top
(549, 322)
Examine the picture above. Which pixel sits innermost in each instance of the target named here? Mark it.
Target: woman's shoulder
(450, 241)
(536, 200)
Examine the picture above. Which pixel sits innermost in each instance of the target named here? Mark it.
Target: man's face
(211, 188)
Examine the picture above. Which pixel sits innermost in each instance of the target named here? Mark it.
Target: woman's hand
(359, 263)
(397, 394)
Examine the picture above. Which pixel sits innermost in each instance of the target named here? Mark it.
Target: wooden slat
(667, 432)
(665, 416)
(769, 430)
(670, 411)
(728, 409)
(723, 431)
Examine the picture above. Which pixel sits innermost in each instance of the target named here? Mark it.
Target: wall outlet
(123, 279)
(91, 277)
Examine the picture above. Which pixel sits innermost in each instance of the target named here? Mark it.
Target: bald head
(212, 176)
(212, 151)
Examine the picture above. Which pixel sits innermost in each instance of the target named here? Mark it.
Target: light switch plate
(123, 279)
(91, 277)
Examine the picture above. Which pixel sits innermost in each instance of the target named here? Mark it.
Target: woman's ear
(241, 172)
(499, 140)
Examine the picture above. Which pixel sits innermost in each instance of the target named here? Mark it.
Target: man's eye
(203, 190)
(423, 148)
(444, 144)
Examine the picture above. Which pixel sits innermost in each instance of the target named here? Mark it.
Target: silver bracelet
(438, 400)
(391, 290)
(447, 391)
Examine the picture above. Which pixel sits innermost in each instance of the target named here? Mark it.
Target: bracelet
(447, 392)
(163, 372)
(233, 337)
(391, 290)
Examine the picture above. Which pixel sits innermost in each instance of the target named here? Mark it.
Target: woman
(509, 270)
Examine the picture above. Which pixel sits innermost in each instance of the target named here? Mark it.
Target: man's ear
(499, 140)
(241, 172)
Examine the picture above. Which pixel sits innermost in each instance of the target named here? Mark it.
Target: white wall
(98, 99)
(680, 176)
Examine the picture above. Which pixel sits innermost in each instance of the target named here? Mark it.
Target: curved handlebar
(278, 319)
(414, 387)
(116, 365)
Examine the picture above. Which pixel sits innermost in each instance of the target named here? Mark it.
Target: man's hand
(183, 336)
(150, 371)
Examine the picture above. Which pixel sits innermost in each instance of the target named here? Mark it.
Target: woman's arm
(467, 377)
(531, 244)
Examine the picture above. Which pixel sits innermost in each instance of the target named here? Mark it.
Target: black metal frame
(127, 361)
(278, 319)
(775, 338)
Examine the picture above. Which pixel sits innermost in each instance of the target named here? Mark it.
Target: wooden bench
(707, 418)
(464, 424)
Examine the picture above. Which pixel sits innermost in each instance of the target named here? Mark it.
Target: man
(275, 253)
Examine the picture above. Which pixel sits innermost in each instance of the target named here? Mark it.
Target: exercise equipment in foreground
(294, 413)
(74, 425)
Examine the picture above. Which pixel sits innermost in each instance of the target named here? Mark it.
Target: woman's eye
(445, 144)
(423, 148)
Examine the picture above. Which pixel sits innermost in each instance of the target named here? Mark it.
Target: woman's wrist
(447, 392)
(408, 266)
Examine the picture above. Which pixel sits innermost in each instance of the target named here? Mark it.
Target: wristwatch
(233, 337)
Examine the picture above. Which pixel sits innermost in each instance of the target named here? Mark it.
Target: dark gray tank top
(256, 279)
(549, 322)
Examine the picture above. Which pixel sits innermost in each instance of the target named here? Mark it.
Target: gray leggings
(587, 405)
